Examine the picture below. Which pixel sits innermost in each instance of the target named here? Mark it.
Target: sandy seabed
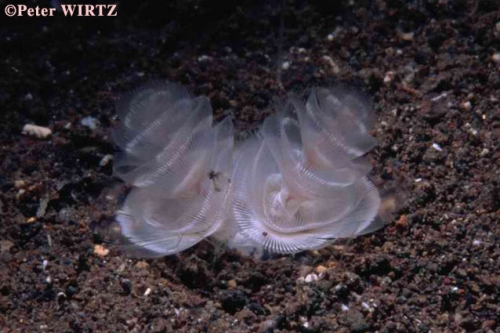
(433, 71)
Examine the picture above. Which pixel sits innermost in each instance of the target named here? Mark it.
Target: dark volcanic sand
(434, 270)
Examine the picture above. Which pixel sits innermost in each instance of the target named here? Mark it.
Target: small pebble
(471, 129)
(389, 76)
(31, 219)
(19, 183)
(334, 67)
(20, 193)
(61, 296)
(42, 208)
(121, 268)
(304, 321)
(311, 278)
(484, 152)
(367, 306)
(231, 284)
(141, 265)
(300, 280)
(90, 122)
(407, 36)
(402, 221)
(439, 97)
(467, 105)
(320, 269)
(203, 58)
(496, 57)
(285, 65)
(100, 250)
(5, 245)
(71, 290)
(127, 286)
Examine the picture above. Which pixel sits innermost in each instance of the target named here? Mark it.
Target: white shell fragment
(299, 184)
(437, 147)
(37, 131)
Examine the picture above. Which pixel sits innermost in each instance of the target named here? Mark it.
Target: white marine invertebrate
(298, 184)
(179, 164)
(166, 137)
(302, 184)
